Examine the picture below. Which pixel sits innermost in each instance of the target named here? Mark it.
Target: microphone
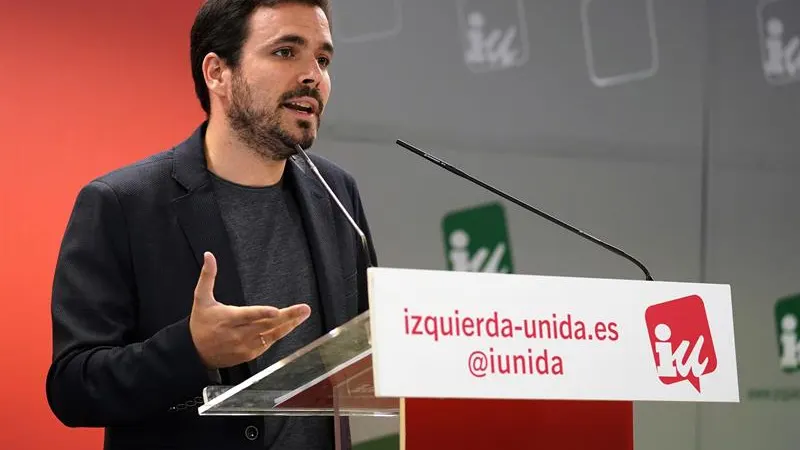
(528, 207)
(361, 235)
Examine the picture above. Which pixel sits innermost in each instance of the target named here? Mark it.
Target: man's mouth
(303, 107)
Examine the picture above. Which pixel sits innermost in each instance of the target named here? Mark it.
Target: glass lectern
(332, 376)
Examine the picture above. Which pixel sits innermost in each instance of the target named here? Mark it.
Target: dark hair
(221, 26)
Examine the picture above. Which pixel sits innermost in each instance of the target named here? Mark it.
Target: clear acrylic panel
(332, 376)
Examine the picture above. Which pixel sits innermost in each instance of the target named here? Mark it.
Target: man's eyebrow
(301, 41)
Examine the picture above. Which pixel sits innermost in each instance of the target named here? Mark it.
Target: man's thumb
(204, 292)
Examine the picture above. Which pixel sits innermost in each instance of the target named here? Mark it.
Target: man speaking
(210, 261)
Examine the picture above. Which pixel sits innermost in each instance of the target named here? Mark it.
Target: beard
(260, 128)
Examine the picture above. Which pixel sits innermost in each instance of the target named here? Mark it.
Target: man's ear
(216, 74)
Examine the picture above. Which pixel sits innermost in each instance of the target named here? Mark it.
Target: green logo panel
(476, 240)
(787, 314)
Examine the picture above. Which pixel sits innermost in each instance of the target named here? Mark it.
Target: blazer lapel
(199, 216)
(317, 214)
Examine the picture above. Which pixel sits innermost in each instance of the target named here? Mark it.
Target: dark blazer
(123, 357)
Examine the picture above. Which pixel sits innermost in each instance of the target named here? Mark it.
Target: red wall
(85, 86)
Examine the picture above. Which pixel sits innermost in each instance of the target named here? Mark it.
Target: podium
(477, 360)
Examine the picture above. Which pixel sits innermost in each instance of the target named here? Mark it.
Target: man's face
(282, 84)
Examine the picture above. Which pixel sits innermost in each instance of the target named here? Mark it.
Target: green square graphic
(787, 314)
(476, 240)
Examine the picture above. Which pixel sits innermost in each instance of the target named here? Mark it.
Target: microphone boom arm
(361, 235)
(524, 205)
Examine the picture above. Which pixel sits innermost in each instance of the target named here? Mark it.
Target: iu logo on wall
(787, 332)
(494, 38)
(476, 240)
(680, 338)
(780, 40)
(787, 313)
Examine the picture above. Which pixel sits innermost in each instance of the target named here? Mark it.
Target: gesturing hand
(226, 335)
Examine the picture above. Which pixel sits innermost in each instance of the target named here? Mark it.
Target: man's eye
(284, 52)
(324, 62)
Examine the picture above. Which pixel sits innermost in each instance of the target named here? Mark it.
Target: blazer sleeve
(99, 376)
(360, 216)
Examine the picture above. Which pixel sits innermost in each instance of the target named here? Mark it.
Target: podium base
(434, 424)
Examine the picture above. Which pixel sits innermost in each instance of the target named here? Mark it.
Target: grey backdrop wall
(661, 125)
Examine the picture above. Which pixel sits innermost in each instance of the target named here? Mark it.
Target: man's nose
(312, 75)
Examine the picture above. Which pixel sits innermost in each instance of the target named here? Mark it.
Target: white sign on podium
(444, 334)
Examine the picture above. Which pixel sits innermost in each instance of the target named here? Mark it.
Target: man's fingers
(282, 330)
(286, 318)
(204, 291)
(248, 315)
(301, 312)
(270, 320)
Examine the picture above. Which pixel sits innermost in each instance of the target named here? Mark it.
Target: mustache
(305, 91)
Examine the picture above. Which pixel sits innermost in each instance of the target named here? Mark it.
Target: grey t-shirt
(274, 263)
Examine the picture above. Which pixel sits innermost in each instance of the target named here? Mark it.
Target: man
(212, 260)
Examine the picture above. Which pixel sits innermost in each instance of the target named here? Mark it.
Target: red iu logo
(681, 340)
